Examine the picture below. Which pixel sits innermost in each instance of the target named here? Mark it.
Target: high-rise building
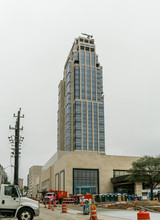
(3, 175)
(34, 172)
(80, 100)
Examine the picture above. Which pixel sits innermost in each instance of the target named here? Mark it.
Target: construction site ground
(151, 206)
(123, 211)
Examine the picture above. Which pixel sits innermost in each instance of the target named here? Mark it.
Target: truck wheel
(25, 214)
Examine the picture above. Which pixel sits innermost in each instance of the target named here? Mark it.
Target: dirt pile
(138, 205)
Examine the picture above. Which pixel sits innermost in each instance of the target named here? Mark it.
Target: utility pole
(17, 141)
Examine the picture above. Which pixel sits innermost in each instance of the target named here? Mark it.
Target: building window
(101, 76)
(87, 48)
(77, 125)
(101, 128)
(88, 84)
(76, 56)
(98, 86)
(85, 181)
(92, 59)
(117, 173)
(88, 59)
(76, 82)
(82, 82)
(83, 58)
(95, 128)
(93, 84)
(84, 126)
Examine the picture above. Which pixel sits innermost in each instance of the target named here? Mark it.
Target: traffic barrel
(81, 203)
(143, 215)
(64, 208)
(54, 203)
(93, 213)
(49, 205)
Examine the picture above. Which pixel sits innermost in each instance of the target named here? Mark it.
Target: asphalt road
(73, 212)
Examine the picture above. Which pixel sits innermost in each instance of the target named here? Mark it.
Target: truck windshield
(19, 192)
(49, 194)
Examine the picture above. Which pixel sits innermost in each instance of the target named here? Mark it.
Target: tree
(146, 170)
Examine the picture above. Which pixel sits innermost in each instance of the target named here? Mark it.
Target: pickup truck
(12, 203)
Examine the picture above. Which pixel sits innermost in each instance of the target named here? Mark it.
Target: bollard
(64, 208)
(143, 215)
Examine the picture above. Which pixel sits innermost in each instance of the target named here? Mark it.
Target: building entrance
(85, 181)
(85, 189)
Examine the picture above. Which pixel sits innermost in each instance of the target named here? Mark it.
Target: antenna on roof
(88, 36)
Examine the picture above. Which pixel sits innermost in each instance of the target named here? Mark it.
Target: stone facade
(59, 174)
(34, 172)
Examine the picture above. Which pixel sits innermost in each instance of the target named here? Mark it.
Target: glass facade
(85, 181)
(77, 125)
(76, 82)
(90, 144)
(101, 127)
(83, 82)
(67, 141)
(95, 128)
(93, 84)
(84, 126)
(83, 100)
(88, 84)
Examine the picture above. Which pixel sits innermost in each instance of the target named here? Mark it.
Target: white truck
(12, 203)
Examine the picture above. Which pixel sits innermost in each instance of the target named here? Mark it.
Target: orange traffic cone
(81, 203)
(45, 204)
(52, 207)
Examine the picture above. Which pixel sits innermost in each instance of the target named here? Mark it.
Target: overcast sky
(35, 39)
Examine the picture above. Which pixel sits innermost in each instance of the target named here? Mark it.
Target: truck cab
(12, 203)
(49, 197)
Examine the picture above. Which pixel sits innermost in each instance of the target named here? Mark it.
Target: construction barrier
(69, 200)
(49, 205)
(143, 215)
(64, 208)
(93, 212)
